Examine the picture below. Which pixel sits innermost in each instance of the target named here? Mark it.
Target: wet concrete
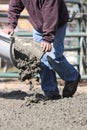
(27, 54)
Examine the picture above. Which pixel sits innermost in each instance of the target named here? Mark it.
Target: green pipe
(74, 1)
(69, 34)
(6, 15)
(9, 75)
(76, 34)
(16, 75)
(84, 77)
(24, 34)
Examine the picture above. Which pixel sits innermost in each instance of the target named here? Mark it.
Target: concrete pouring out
(24, 54)
(27, 56)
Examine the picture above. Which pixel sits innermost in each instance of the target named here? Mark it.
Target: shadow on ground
(15, 95)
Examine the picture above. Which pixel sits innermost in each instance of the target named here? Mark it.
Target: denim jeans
(65, 70)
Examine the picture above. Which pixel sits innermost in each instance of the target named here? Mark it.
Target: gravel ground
(23, 108)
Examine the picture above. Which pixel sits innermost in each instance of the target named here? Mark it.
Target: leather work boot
(71, 87)
(40, 97)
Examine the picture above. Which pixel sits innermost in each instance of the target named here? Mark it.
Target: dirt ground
(22, 107)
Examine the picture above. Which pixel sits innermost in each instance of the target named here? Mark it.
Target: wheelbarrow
(7, 47)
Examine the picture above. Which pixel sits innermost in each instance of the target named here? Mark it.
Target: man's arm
(15, 8)
(50, 22)
(50, 12)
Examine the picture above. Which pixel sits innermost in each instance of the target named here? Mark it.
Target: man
(49, 19)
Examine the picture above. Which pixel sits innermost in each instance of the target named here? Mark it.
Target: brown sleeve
(15, 8)
(50, 11)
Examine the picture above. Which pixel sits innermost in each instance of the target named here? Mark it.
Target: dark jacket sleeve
(15, 8)
(50, 12)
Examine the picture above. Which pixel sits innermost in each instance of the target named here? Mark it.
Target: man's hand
(8, 30)
(46, 46)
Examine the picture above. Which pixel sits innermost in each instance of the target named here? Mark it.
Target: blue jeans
(65, 70)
